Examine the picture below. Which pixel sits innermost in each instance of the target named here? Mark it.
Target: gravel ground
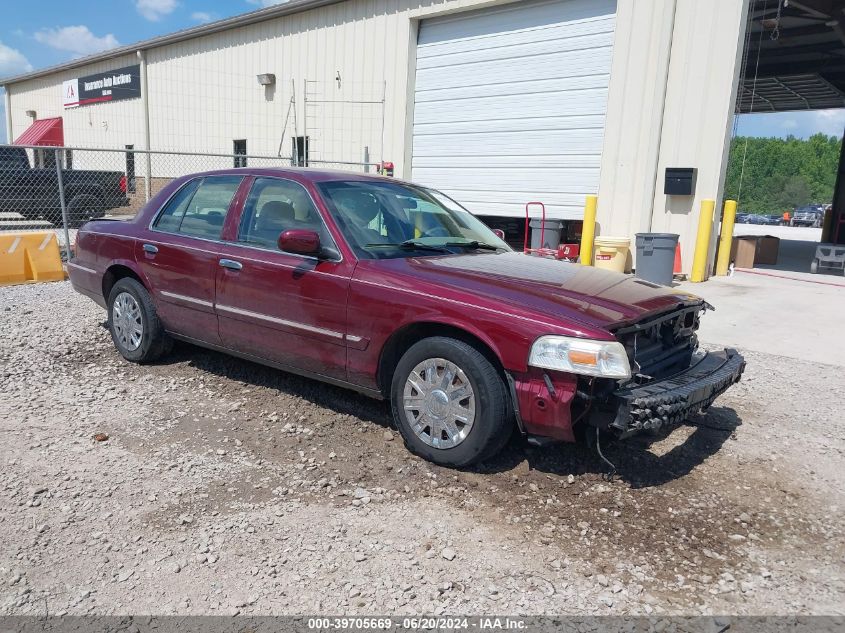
(225, 487)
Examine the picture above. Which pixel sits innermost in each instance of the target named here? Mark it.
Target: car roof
(302, 174)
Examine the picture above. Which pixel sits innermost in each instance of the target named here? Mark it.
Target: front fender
(459, 324)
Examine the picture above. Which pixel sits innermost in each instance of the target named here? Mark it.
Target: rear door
(283, 307)
(179, 255)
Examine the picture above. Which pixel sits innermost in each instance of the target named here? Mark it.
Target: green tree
(796, 192)
(769, 175)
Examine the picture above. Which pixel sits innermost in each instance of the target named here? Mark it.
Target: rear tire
(136, 330)
(449, 403)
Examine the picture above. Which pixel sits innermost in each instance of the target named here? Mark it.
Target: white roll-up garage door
(510, 105)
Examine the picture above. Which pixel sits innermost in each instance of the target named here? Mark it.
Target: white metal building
(495, 102)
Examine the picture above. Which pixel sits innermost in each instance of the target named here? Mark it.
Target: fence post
(145, 100)
(62, 200)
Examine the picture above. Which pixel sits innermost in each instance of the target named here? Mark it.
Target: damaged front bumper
(670, 401)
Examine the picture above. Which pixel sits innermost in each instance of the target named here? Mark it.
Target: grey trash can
(656, 257)
(551, 234)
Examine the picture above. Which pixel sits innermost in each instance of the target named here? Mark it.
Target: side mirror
(499, 233)
(300, 241)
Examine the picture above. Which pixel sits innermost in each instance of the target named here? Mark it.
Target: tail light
(123, 183)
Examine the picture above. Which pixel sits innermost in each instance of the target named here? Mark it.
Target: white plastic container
(611, 253)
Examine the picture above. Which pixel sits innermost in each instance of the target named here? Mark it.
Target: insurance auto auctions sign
(114, 85)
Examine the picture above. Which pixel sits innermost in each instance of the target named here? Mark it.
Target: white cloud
(830, 122)
(154, 10)
(78, 40)
(12, 61)
(203, 17)
(266, 3)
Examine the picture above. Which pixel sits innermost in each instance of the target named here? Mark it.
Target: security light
(266, 79)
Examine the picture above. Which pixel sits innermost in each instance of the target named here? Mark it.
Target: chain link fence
(61, 188)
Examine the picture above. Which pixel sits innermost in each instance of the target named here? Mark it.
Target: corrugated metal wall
(510, 105)
(663, 109)
(204, 93)
(670, 104)
(111, 125)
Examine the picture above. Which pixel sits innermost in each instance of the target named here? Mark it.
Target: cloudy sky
(41, 33)
(800, 124)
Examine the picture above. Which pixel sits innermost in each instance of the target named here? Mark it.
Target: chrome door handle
(149, 248)
(231, 264)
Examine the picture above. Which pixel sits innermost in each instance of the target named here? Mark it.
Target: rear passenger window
(171, 217)
(199, 209)
(274, 206)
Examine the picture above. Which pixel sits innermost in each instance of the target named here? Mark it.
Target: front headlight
(607, 359)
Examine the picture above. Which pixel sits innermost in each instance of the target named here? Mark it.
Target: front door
(179, 255)
(283, 307)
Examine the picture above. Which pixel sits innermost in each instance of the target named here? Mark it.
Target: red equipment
(569, 251)
(564, 251)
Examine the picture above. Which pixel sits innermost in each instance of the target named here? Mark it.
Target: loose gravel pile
(216, 486)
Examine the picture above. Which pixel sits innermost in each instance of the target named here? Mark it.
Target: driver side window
(274, 206)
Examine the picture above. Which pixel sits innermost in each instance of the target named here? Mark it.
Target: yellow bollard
(723, 260)
(588, 231)
(702, 241)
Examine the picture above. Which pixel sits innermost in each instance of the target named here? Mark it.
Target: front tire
(136, 330)
(450, 403)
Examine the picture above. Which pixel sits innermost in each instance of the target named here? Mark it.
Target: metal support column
(145, 101)
(62, 201)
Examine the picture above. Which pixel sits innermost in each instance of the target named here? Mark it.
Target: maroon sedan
(396, 291)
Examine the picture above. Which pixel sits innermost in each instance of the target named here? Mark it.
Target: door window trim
(233, 206)
(277, 251)
(239, 209)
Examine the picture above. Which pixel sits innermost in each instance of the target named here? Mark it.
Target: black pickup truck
(34, 193)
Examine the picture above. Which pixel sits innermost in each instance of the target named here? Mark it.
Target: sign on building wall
(114, 85)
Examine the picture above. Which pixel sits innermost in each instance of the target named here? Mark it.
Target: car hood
(543, 287)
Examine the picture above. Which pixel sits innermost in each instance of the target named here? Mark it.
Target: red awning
(43, 132)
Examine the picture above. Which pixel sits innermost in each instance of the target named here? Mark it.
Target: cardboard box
(750, 250)
(743, 250)
(767, 250)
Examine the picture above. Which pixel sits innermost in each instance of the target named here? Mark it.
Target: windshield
(391, 219)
